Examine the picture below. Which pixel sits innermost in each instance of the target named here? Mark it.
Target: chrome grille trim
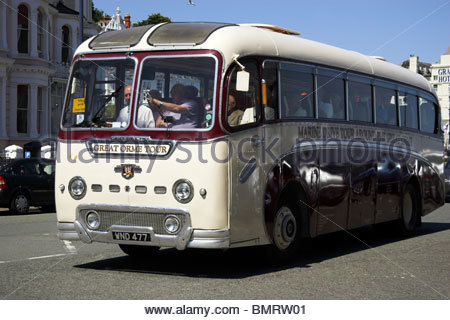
(127, 216)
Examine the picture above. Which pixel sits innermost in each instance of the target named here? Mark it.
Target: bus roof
(243, 40)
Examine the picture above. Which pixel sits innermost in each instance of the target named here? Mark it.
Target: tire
(410, 211)
(138, 252)
(286, 237)
(20, 203)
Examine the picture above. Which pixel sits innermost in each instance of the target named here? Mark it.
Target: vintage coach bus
(274, 139)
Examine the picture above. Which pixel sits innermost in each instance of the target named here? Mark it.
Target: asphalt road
(34, 264)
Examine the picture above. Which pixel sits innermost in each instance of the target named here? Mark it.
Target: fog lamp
(93, 220)
(172, 224)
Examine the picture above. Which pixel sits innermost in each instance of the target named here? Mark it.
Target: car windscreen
(97, 93)
(176, 93)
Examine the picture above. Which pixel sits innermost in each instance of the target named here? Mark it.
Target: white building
(115, 22)
(440, 79)
(37, 41)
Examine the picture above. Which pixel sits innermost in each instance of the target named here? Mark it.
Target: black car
(27, 182)
(447, 181)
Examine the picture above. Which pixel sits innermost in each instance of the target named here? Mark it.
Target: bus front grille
(109, 218)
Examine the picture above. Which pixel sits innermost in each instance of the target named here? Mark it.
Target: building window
(40, 109)
(57, 102)
(40, 34)
(65, 53)
(22, 29)
(22, 109)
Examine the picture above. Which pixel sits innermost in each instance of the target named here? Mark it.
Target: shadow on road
(33, 210)
(246, 262)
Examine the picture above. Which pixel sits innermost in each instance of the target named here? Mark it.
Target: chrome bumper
(186, 238)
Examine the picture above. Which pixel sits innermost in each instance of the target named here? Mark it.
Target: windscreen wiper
(99, 114)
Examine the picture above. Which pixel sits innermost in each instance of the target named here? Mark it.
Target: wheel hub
(285, 228)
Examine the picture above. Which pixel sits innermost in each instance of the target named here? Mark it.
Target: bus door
(245, 169)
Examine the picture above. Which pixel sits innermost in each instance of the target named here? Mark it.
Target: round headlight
(93, 220)
(172, 224)
(183, 191)
(77, 188)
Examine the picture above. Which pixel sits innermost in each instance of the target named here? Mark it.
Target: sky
(393, 29)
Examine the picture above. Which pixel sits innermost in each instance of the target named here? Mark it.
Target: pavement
(368, 264)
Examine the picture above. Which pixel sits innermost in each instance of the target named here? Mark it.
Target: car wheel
(286, 239)
(138, 252)
(20, 203)
(410, 211)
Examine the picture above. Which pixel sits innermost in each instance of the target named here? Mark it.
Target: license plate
(131, 236)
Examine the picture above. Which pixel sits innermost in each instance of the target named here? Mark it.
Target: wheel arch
(290, 191)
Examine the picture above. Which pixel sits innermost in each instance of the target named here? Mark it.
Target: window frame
(259, 112)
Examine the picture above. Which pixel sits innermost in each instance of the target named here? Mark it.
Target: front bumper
(142, 220)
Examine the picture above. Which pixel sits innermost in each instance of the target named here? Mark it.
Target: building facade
(440, 79)
(37, 42)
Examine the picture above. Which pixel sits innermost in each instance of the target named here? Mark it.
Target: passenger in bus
(325, 104)
(234, 114)
(145, 115)
(386, 111)
(188, 108)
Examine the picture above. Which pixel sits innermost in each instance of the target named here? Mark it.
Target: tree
(97, 14)
(152, 19)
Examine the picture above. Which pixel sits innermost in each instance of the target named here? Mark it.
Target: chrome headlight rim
(177, 184)
(87, 222)
(176, 219)
(80, 196)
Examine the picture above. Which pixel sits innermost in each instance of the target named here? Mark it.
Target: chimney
(128, 20)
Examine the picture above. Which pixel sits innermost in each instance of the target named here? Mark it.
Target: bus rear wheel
(286, 238)
(410, 211)
(138, 252)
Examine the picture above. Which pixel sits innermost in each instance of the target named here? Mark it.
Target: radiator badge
(127, 170)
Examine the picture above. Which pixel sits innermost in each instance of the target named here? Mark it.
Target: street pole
(81, 26)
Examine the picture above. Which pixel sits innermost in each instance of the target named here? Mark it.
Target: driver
(144, 116)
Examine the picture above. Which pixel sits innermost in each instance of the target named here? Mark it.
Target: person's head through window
(127, 95)
(231, 102)
(177, 93)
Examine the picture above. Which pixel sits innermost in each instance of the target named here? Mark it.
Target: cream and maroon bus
(275, 139)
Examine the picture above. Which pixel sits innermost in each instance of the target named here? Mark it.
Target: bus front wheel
(138, 252)
(286, 234)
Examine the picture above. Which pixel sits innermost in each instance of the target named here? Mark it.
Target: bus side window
(360, 101)
(297, 93)
(428, 116)
(270, 101)
(331, 93)
(243, 107)
(386, 106)
(407, 104)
